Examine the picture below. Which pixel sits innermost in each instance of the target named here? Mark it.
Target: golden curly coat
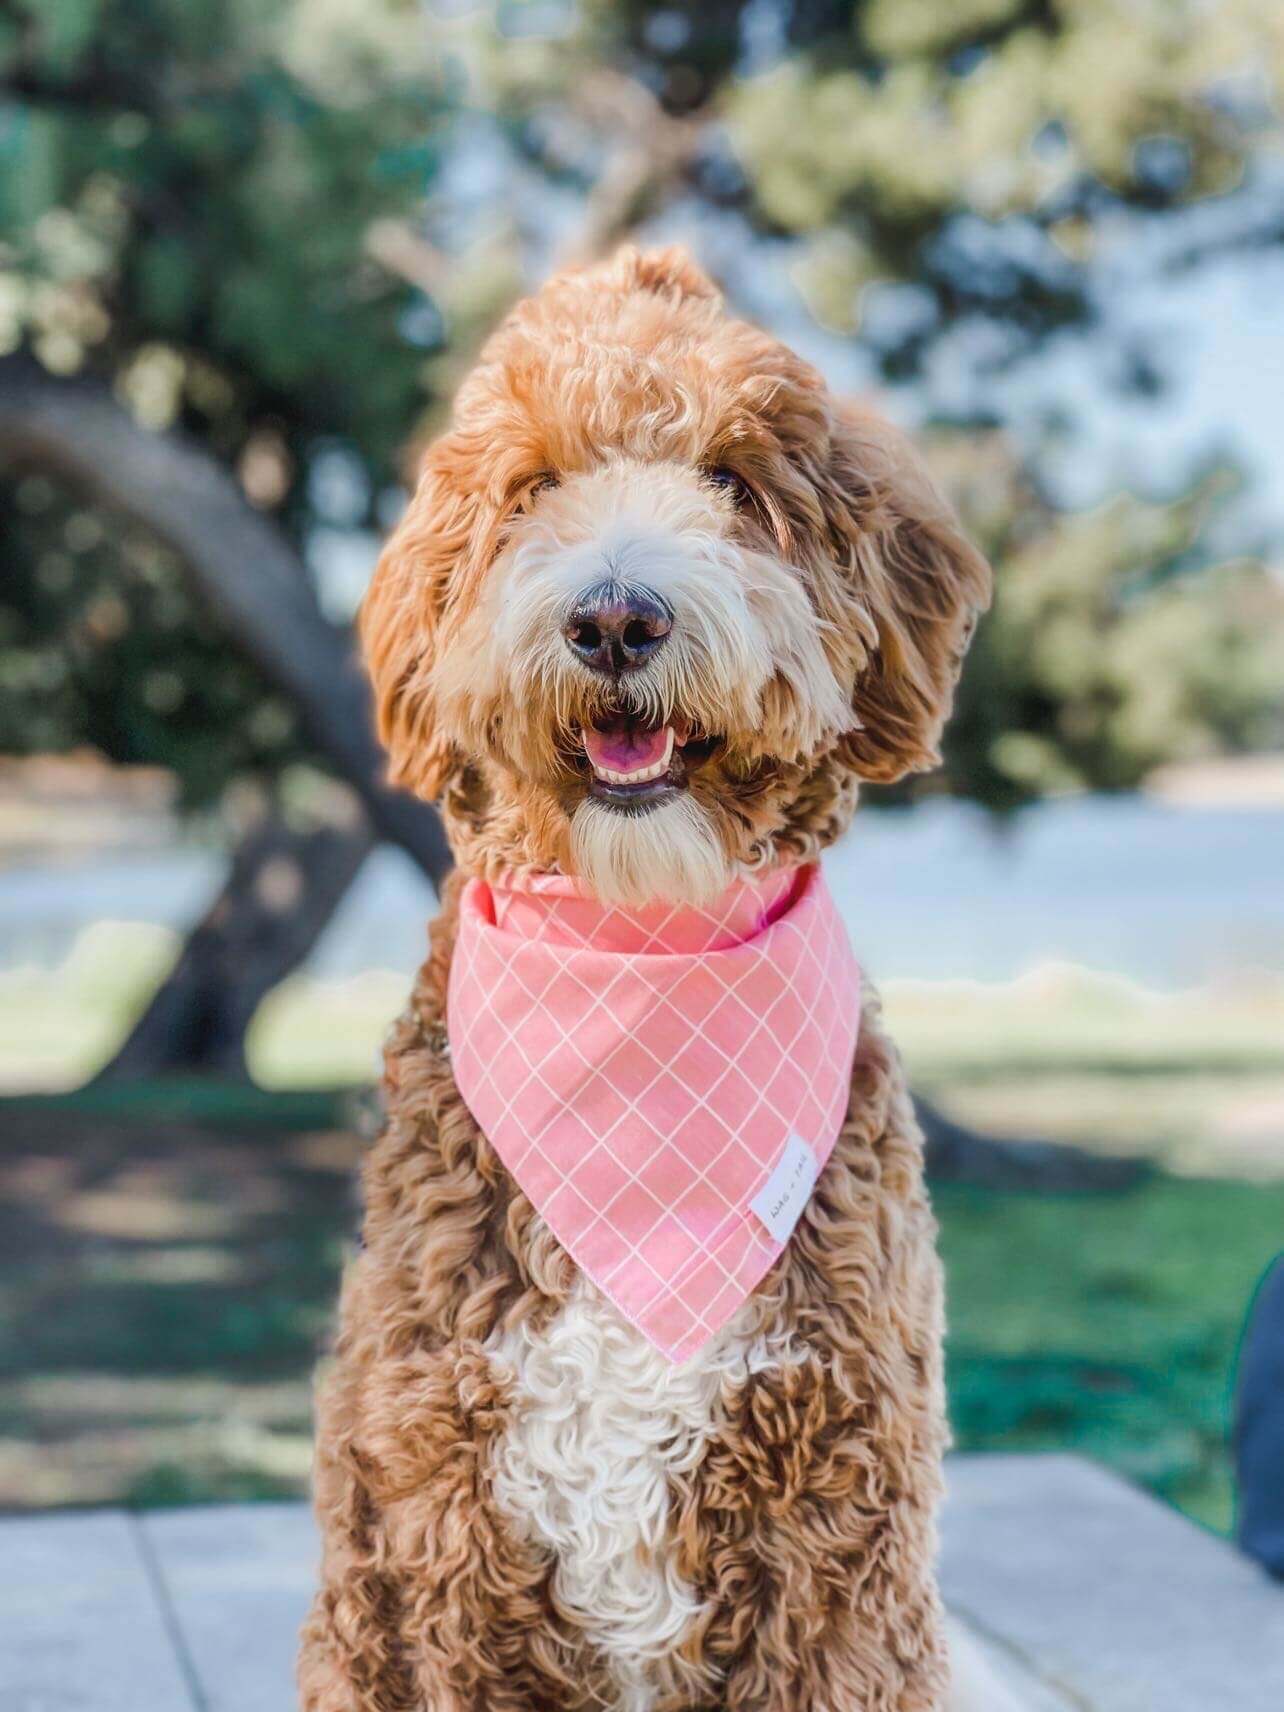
(778, 1554)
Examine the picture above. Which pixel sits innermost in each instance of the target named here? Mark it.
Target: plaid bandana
(664, 1083)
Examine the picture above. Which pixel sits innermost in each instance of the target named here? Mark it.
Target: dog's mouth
(634, 765)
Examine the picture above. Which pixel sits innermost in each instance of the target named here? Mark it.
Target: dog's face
(659, 603)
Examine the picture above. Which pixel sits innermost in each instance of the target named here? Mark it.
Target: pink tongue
(625, 749)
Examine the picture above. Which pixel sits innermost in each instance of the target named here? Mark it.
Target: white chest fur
(602, 1425)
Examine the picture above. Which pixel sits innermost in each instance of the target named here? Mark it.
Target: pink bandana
(664, 1083)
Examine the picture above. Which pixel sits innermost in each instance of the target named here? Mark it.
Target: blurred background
(246, 251)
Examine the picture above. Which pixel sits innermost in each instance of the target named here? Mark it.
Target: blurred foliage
(100, 638)
(284, 225)
(1113, 645)
(977, 149)
(186, 199)
(187, 193)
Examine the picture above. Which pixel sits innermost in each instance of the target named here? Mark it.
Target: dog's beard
(670, 853)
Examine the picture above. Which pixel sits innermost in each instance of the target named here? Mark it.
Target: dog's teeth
(643, 775)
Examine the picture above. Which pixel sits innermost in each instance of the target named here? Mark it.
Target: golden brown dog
(646, 515)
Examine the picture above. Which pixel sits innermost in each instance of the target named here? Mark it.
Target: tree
(940, 182)
(1115, 644)
(186, 199)
(278, 229)
(287, 878)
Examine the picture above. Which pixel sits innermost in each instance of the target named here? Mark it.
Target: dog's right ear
(918, 584)
(401, 617)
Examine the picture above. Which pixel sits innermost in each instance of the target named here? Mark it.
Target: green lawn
(165, 1286)
(167, 1267)
(1107, 1325)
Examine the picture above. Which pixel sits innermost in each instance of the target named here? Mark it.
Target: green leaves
(1116, 641)
(223, 210)
(185, 193)
(64, 31)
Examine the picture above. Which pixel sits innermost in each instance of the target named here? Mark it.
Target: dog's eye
(545, 480)
(729, 482)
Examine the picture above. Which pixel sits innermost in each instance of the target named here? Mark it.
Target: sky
(1216, 334)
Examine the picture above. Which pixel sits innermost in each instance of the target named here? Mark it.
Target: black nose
(617, 627)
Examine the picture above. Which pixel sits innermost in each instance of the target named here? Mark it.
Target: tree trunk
(283, 886)
(282, 890)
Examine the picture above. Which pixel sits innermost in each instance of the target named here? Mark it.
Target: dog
(659, 605)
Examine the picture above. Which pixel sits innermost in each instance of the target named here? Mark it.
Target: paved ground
(1092, 1597)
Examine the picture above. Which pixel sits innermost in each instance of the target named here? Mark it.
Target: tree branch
(648, 153)
(248, 574)
(87, 90)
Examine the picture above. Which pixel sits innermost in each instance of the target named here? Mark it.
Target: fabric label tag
(780, 1201)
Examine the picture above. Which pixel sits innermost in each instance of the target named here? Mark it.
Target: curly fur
(606, 1427)
(522, 1506)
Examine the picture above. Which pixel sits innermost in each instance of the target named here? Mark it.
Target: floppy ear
(919, 584)
(402, 613)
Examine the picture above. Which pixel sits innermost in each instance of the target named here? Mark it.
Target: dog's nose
(614, 628)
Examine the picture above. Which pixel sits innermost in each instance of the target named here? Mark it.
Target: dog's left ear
(424, 559)
(919, 587)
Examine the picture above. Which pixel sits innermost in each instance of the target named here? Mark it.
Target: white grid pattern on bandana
(642, 1098)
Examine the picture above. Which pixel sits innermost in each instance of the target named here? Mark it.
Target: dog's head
(660, 601)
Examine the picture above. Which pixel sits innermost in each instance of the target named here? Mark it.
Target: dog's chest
(602, 1426)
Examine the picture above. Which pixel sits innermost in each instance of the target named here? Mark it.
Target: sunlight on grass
(57, 1026)
(1193, 1079)
(1061, 1015)
(324, 1033)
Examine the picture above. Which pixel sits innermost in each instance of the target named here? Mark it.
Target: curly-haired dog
(658, 606)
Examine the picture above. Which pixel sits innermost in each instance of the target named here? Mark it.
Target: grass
(1193, 1080)
(169, 1260)
(165, 1289)
(1107, 1325)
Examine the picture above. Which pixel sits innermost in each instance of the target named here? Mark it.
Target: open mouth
(634, 765)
